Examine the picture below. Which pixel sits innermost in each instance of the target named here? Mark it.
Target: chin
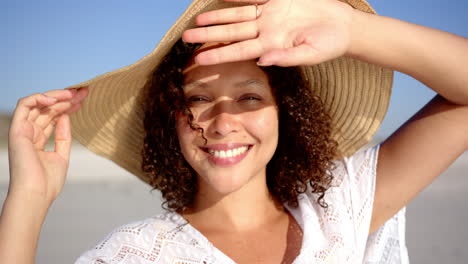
(224, 183)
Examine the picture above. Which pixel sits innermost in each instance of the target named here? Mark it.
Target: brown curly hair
(305, 152)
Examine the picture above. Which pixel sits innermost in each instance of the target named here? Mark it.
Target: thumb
(63, 137)
(300, 55)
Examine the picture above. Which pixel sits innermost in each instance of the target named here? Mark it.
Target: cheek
(270, 118)
(188, 138)
(183, 131)
(266, 124)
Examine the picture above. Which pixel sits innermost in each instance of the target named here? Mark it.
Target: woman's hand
(32, 168)
(287, 32)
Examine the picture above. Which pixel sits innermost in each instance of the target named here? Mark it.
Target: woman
(320, 31)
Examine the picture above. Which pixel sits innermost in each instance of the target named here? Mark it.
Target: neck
(249, 207)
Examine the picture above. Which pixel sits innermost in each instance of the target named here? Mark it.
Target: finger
(81, 94)
(245, 50)
(63, 137)
(57, 94)
(48, 130)
(49, 113)
(73, 109)
(44, 115)
(227, 15)
(248, 1)
(26, 104)
(60, 95)
(299, 55)
(43, 138)
(50, 127)
(224, 33)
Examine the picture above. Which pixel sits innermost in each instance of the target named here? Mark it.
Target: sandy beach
(94, 202)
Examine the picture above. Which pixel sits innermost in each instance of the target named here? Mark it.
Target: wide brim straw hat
(110, 122)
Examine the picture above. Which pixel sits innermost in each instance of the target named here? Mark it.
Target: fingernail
(51, 99)
(73, 90)
(80, 88)
(263, 63)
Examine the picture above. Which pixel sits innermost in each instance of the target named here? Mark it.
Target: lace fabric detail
(162, 238)
(387, 245)
(337, 234)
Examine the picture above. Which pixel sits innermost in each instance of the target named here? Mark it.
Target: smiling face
(234, 105)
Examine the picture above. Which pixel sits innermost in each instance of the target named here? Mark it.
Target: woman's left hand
(286, 33)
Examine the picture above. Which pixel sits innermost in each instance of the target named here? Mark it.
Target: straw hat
(356, 94)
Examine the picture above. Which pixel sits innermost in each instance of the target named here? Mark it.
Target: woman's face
(234, 105)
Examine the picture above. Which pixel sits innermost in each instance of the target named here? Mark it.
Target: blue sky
(51, 44)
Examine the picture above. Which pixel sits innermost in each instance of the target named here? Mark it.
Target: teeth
(229, 153)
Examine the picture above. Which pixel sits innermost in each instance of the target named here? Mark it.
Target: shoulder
(356, 172)
(363, 161)
(133, 232)
(344, 224)
(350, 197)
(145, 241)
(353, 181)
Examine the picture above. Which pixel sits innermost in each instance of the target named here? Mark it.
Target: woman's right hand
(32, 168)
(286, 33)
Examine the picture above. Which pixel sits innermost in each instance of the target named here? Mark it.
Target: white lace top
(338, 234)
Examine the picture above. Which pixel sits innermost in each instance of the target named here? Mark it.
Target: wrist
(374, 39)
(27, 198)
(358, 28)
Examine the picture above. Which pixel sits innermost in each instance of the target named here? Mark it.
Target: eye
(250, 97)
(196, 99)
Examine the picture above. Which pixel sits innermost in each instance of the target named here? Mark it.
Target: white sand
(94, 202)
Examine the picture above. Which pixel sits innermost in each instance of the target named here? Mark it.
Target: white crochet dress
(338, 234)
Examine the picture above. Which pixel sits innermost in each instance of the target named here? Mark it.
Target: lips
(226, 154)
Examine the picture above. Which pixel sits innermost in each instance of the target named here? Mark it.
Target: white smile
(228, 153)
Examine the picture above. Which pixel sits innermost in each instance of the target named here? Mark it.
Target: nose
(225, 120)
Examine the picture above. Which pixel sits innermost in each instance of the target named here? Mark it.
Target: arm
(21, 221)
(37, 176)
(437, 135)
(433, 57)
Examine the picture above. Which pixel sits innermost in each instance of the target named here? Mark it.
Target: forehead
(195, 71)
(234, 72)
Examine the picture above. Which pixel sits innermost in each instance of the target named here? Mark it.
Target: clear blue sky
(51, 44)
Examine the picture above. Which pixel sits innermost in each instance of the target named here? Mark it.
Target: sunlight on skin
(228, 118)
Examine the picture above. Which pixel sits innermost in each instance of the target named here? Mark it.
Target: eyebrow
(196, 84)
(255, 82)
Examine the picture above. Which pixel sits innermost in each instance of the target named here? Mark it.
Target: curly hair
(305, 151)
